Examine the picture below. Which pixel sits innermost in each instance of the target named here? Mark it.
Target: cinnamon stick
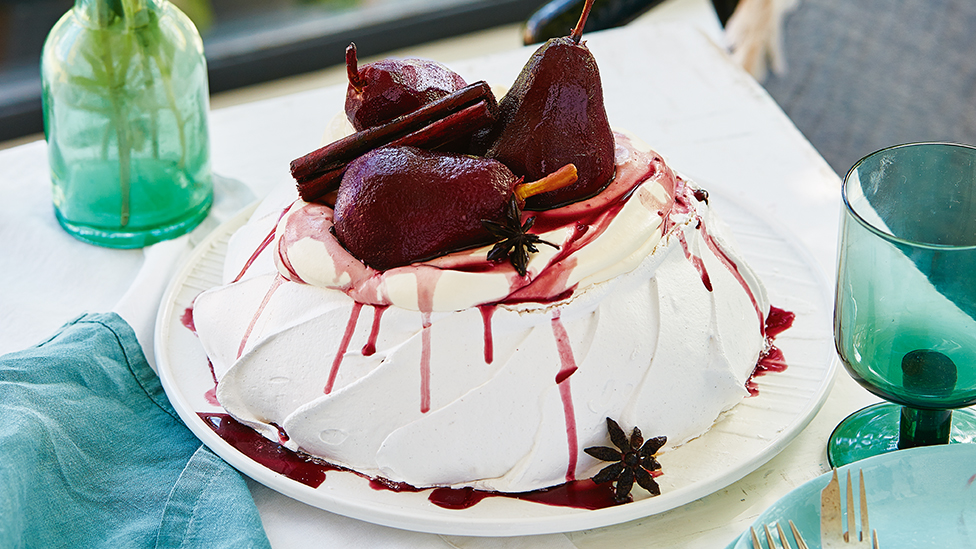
(318, 186)
(450, 128)
(339, 153)
(439, 133)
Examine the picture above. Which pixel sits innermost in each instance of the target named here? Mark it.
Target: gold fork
(832, 534)
(770, 544)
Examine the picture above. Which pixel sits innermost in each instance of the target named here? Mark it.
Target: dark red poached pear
(400, 205)
(554, 115)
(381, 91)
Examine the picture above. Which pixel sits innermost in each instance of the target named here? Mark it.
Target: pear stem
(352, 68)
(577, 33)
(563, 177)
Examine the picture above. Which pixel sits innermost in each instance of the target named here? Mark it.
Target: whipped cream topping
(591, 249)
(458, 372)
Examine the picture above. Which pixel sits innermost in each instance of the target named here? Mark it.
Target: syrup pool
(580, 494)
(773, 359)
(268, 453)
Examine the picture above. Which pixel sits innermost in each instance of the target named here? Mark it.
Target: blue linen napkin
(92, 453)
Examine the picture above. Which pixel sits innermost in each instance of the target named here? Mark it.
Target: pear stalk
(577, 33)
(352, 68)
(563, 177)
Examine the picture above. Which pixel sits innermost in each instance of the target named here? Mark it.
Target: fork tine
(782, 536)
(865, 527)
(832, 534)
(874, 544)
(831, 519)
(851, 535)
(755, 539)
(800, 543)
(784, 541)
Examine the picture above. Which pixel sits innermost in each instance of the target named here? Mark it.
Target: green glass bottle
(125, 117)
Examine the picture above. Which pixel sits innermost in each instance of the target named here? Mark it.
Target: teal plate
(917, 498)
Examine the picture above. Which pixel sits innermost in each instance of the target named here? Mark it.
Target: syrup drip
(250, 261)
(380, 483)
(778, 321)
(696, 261)
(425, 301)
(343, 345)
(568, 368)
(425, 364)
(211, 394)
(370, 347)
(264, 303)
(285, 262)
(550, 286)
(282, 435)
(487, 311)
(734, 269)
(264, 244)
(773, 359)
(186, 319)
(580, 231)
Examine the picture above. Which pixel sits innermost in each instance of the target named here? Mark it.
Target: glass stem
(924, 427)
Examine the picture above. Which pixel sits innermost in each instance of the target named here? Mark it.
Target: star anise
(513, 238)
(634, 461)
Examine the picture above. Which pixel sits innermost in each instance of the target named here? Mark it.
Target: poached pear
(554, 115)
(381, 91)
(398, 205)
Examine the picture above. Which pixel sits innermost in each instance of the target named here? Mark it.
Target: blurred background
(251, 41)
(868, 74)
(858, 76)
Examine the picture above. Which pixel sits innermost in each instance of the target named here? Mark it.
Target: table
(669, 84)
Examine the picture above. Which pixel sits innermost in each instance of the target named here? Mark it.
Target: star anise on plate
(634, 459)
(513, 240)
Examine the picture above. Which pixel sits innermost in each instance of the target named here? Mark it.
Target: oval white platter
(743, 439)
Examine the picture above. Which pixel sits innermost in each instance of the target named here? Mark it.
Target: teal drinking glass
(125, 116)
(906, 298)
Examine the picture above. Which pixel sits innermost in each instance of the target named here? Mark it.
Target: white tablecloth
(669, 84)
